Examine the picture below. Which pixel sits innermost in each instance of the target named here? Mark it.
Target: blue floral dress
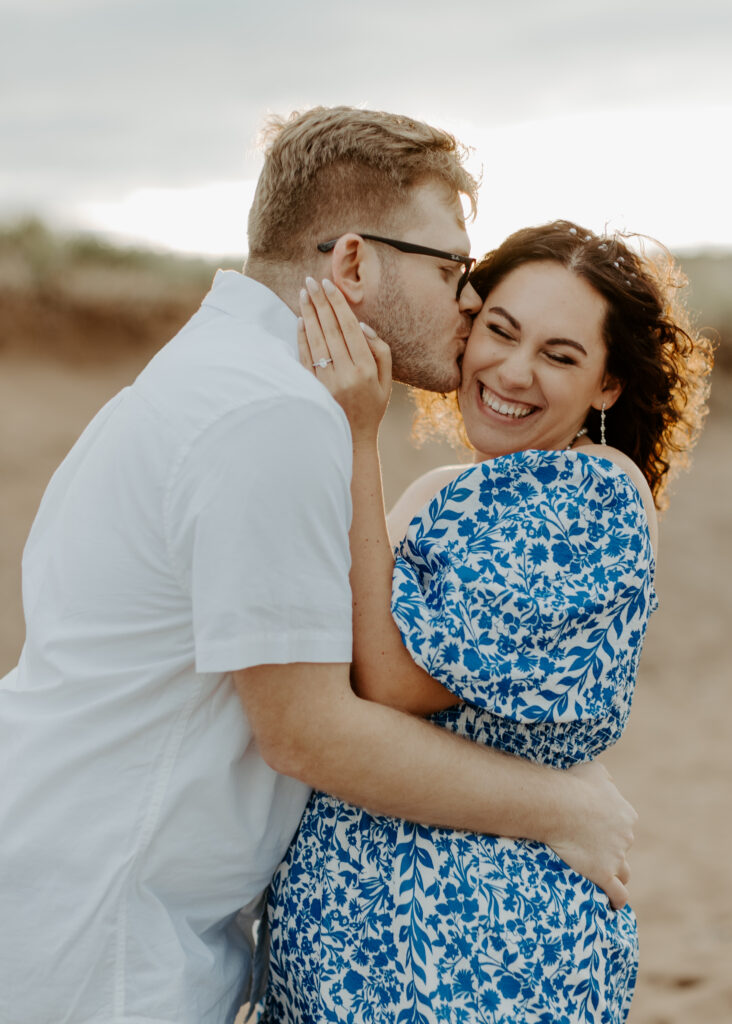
(525, 587)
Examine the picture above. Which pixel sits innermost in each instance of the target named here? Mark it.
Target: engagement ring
(323, 362)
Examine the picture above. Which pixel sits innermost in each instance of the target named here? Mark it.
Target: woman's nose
(516, 370)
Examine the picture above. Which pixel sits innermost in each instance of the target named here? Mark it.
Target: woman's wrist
(365, 442)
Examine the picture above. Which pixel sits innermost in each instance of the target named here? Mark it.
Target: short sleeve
(525, 586)
(257, 521)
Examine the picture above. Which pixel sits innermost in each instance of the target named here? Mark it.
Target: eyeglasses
(468, 262)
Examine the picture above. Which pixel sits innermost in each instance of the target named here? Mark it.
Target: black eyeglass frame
(422, 250)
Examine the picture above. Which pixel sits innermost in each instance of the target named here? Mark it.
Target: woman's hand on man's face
(346, 356)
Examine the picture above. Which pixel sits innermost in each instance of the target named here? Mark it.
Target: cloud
(208, 219)
(101, 97)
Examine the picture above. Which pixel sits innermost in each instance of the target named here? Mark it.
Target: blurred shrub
(710, 298)
(33, 255)
(79, 298)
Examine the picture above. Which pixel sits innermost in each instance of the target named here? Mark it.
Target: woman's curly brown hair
(653, 349)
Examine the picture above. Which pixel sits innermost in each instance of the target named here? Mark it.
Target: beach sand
(675, 761)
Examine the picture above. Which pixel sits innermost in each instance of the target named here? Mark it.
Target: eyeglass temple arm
(421, 250)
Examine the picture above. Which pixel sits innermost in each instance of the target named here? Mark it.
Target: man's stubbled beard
(408, 329)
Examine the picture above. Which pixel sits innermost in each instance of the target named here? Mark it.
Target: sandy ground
(675, 761)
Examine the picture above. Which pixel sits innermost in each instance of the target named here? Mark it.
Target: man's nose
(469, 302)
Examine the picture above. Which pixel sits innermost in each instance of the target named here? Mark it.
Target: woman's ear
(354, 268)
(609, 394)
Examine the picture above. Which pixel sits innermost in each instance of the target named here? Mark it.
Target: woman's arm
(359, 378)
(383, 669)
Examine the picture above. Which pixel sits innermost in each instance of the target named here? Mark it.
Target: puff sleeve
(525, 586)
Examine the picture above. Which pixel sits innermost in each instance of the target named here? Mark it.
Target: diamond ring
(322, 363)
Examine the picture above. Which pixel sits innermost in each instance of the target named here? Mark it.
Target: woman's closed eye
(561, 358)
(500, 331)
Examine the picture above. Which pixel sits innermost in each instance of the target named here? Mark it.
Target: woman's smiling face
(534, 362)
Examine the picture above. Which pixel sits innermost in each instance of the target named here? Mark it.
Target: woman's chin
(502, 439)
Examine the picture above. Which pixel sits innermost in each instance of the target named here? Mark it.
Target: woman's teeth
(517, 412)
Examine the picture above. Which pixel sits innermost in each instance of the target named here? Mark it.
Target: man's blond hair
(332, 170)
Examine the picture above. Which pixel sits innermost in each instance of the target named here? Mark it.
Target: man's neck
(283, 279)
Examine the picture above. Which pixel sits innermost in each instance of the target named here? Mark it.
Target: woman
(521, 590)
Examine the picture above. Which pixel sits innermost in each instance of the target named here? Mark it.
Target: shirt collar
(247, 299)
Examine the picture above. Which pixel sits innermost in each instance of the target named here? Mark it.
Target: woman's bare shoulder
(632, 471)
(416, 496)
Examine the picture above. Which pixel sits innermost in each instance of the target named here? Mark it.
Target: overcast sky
(141, 116)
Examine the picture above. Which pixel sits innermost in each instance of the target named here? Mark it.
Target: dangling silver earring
(602, 425)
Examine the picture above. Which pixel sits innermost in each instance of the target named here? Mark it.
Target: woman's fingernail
(328, 286)
(368, 331)
(312, 285)
(300, 321)
(304, 297)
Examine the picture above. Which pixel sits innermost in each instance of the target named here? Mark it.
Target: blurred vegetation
(34, 257)
(710, 298)
(76, 296)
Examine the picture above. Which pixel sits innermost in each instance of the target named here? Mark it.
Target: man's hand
(595, 831)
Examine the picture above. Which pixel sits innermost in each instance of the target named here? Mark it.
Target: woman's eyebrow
(504, 313)
(567, 341)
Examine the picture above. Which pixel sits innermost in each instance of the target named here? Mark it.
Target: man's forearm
(396, 764)
(311, 725)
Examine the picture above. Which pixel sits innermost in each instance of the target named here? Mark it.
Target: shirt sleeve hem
(320, 648)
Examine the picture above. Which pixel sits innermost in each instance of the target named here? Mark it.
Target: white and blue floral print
(525, 587)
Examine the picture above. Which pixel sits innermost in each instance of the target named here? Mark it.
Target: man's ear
(354, 268)
(610, 393)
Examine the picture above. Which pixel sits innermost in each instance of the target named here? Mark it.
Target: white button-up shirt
(199, 526)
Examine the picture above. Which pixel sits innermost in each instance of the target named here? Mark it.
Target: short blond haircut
(336, 169)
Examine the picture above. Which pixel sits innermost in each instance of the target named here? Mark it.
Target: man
(185, 677)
